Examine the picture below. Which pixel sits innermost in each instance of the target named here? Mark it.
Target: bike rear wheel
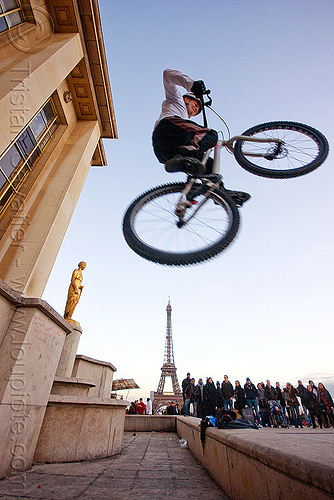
(150, 226)
(303, 150)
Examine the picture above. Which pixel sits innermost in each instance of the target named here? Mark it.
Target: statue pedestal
(67, 357)
(101, 373)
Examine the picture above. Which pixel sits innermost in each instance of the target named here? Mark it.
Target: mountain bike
(185, 223)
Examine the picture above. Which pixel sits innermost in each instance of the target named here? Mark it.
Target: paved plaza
(152, 466)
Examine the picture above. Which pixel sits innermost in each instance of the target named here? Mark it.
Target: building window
(10, 14)
(21, 156)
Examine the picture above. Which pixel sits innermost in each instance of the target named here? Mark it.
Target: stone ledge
(87, 401)
(96, 361)
(19, 300)
(71, 386)
(150, 423)
(273, 453)
(74, 380)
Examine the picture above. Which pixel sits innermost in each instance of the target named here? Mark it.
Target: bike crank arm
(183, 203)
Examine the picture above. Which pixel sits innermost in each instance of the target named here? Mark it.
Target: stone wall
(80, 428)
(44, 417)
(32, 337)
(150, 423)
(254, 464)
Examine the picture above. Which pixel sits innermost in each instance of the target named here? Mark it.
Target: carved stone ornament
(68, 97)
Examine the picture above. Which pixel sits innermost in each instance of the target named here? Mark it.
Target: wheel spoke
(204, 229)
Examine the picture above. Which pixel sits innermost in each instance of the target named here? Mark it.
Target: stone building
(55, 109)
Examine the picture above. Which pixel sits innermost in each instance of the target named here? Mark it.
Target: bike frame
(182, 205)
(229, 144)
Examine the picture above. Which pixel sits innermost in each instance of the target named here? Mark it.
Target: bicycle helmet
(192, 96)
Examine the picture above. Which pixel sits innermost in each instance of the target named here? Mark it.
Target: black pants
(201, 409)
(172, 134)
(313, 414)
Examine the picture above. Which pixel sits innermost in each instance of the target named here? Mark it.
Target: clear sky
(264, 307)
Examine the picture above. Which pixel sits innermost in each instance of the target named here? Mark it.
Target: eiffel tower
(168, 369)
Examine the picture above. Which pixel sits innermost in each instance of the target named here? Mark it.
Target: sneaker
(185, 164)
(239, 197)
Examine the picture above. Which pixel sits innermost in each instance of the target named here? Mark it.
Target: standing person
(189, 395)
(148, 407)
(219, 395)
(326, 404)
(251, 395)
(293, 405)
(132, 409)
(227, 394)
(210, 398)
(314, 387)
(280, 397)
(170, 410)
(270, 394)
(240, 400)
(312, 404)
(141, 407)
(263, 406)
(287, 398)
(302, 393)
(199, 399)
(271, 398)
(185, 382)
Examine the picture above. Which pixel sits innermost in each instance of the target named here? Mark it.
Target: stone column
(46, 213)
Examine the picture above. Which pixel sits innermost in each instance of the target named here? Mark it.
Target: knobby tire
(149, 227)
(305, 149)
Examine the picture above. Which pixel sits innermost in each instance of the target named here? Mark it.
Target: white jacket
(174, 104)
(149, 407)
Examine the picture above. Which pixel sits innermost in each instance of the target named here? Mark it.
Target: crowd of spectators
(300, 406)
(140, 408)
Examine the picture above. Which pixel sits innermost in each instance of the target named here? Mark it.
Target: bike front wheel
(302, 150)
(150, 226)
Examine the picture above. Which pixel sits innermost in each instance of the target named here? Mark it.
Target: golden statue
(74, 292)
